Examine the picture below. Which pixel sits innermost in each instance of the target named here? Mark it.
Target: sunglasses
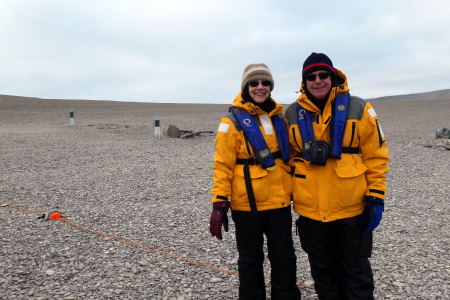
(322, 76)
(256, 83)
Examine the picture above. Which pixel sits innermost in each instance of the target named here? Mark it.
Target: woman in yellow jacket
(339, 179)
(252, 174)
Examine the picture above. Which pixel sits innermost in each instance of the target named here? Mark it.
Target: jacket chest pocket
(255, 171)
(350, 165)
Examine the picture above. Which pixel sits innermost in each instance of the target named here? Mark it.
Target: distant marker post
(72, 117)
(158, 133)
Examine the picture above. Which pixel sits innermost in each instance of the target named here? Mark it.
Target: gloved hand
(375, 207)
(218, 217)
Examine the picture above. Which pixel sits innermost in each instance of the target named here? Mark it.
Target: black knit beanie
(317, 62)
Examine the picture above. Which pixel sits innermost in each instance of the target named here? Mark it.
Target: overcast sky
(195, 51)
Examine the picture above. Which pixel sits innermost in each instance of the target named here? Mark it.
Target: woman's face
(259, 90)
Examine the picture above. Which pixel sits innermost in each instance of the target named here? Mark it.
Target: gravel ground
(109, 175)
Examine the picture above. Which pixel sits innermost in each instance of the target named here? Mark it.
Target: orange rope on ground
(136, 245)
(36, 212)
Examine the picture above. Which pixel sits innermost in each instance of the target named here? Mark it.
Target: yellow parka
(272, 189)
(336, 190)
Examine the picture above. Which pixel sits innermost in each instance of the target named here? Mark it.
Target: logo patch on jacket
(223, 127)
(372, 112)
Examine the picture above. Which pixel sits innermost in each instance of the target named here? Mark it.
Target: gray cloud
(195, 51)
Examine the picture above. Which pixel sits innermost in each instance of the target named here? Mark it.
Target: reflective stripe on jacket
(336, 190)
(272, 189)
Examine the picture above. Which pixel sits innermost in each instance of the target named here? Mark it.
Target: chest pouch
(319, 153)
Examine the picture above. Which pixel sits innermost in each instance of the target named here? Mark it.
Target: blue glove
(375, 207)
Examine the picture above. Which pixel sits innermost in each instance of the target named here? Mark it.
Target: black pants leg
(281, 254)
(250, 240)
(277, 225)
(338, 252)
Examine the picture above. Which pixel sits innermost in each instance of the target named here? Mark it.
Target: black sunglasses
(322, 76)
(256, 83)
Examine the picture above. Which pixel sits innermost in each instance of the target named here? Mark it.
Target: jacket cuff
(377, 193)
(219, 198)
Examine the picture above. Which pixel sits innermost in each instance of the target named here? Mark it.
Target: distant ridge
(441, 94)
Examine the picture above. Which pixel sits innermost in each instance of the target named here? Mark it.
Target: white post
(72, 117)
(158, 126)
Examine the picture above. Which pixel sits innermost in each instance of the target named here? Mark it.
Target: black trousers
(338, 253)
(250, 229)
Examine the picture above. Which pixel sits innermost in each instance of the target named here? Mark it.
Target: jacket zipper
(353, 133)
(380, 139)
(247, 145)
(295, 139)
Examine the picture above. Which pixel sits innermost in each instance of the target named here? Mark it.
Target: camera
(318, 152)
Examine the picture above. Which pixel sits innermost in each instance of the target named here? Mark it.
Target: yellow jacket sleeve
(224, 160)
(374, 152)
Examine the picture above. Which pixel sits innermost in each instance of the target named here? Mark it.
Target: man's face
(317, 86)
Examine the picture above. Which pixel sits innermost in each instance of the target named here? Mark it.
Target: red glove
(218, 217)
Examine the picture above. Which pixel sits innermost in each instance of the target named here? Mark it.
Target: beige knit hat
(255, 72)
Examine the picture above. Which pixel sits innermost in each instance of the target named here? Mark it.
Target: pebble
(121, 182)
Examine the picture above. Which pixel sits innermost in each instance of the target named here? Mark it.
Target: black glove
(375, 207)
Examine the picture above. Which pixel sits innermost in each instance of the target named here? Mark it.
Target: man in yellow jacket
(339, 179)
(252, 173)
